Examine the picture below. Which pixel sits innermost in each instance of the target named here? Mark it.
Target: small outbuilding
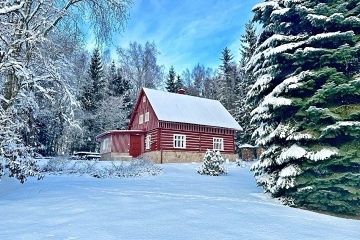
(249, 152)
(172, 127)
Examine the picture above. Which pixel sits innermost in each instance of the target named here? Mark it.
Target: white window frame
(147, 116)
(144, 98)
(148, 142)
(179, 141)
(218, 144)
(141, 118)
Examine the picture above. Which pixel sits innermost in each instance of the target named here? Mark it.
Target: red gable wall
(142, 107)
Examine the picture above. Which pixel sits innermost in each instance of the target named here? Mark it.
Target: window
(105, 146)
(147, 117)
(218, 144)
(141, 119)
(179, 141)
(144, 98)
(148, 142)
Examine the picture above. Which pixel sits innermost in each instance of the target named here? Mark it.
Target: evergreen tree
(248, 41)
(308, 94)
(213, 164)
(228, 73)
(171, 81)
(93, 90)
(91, 100)
(243, 106)
(179, 83)
(118, 85)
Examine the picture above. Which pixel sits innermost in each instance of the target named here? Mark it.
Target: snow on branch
(264, 5)
(11, 8)
(260, 84)
(294, 152)
(330, 35)
(276, 101)
(323, 154)
(281, 131)
(286, 177)
(279, 12)
(299, 136)
(288, 2)
(341, 126)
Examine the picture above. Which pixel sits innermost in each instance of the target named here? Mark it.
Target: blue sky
(187, 32)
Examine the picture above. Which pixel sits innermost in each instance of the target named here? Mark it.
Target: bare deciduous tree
(139, 64)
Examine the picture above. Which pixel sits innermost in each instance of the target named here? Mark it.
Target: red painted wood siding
(154, 141)
(120, 143)
(143, 108)
(195, 141)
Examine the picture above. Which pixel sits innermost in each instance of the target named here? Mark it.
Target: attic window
(146, 116)
(141, 119)
(144, 99)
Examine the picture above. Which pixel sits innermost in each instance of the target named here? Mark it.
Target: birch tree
(33, 66)
(139, 65)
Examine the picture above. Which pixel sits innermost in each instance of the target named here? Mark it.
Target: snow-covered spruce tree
(213, 164)
(308, 94)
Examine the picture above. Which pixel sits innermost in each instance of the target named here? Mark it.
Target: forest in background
(295, 91)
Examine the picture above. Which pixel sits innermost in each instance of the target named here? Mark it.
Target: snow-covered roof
(246, 145)
(174, 107)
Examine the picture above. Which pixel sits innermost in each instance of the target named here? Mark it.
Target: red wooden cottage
(172, 127)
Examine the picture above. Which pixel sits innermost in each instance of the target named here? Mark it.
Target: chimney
(181, 91)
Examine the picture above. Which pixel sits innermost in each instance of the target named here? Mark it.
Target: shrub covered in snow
(135, 168)
(213, 164)
(99, 169)
(17, 160)
(241, 163)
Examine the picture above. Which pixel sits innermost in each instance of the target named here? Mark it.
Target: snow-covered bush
(95, 168)
(213, 164)
(135, 168)
(18, 161)
(56, 165)
(241, 163)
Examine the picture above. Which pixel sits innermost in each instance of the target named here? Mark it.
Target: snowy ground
(178, 204)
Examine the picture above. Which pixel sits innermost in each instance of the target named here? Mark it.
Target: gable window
(146, 116)
(148, 142)
(179, 141)
(141, 119)
(144, 98)
(218, 144)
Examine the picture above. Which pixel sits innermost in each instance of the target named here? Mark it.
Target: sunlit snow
(178, 204)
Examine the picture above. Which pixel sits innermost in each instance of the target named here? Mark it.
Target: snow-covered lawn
(177, 204)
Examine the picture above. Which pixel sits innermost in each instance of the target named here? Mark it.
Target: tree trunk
(11, 87)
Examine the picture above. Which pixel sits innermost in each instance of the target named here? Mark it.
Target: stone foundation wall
(111, 156)
(182, 157)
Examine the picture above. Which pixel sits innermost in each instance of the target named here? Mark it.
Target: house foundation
(182, 157)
